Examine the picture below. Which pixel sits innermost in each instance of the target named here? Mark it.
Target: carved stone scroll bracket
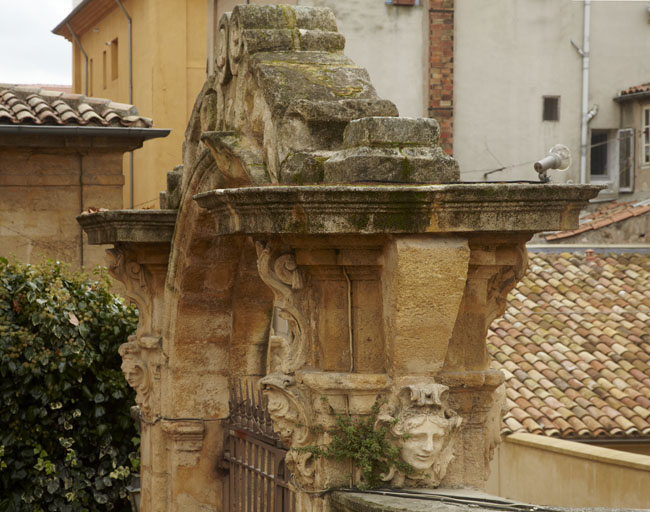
(279, 270)
(142, 269)
(426, 430)
(496, 264)
(288, 406)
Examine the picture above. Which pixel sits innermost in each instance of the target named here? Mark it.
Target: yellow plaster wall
(554, 472)
(169, 55)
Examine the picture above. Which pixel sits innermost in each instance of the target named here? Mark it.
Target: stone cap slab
(372, 209)
(438, 500)
(132, 226)
(392, 131)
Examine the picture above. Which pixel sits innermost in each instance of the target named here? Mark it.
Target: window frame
(628, 134)
(556, 109)
(645, 136)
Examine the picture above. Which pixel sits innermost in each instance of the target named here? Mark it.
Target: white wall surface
(391, 43)
(510, 53)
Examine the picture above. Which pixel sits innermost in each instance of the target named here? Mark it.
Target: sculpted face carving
(137, 374)
(424, 441)
(425, 429)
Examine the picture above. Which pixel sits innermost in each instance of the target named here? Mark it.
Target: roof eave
(632, 97)
(62, 28)
(85, 131)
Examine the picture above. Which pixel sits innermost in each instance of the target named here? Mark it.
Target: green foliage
(366, 444)
(65, 427)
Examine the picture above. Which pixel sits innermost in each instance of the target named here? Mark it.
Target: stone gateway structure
(321, 250)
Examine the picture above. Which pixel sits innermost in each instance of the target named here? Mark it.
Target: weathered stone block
(391, 149)
(424, 279)
(392, 132)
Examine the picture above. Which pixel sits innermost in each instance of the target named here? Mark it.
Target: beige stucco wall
(169, 62)
(554, 472)
(509, 54)
(43, 189)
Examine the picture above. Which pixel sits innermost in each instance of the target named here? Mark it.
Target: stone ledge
(439, 500)
(134, 226)
(367, 209)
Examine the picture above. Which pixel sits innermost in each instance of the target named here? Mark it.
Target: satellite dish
(558, 158)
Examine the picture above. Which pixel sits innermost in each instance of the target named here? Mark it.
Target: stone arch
(274, 110)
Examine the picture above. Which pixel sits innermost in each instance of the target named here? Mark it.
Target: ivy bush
(67, 442)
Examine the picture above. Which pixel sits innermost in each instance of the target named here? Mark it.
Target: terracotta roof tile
(29, 105)
(636, 89)
(586, 374)
(608, 214)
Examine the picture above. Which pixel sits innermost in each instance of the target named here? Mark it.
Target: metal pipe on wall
(584, 123)
(130, 22)
(76, 40)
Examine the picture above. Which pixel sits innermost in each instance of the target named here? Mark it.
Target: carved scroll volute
(278, 269)
(142, 353)
(425, 429)
(122, 266)
(143, 282)
(288, 407)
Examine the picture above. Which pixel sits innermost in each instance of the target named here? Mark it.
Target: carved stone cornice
(341, 209)
(129, 226)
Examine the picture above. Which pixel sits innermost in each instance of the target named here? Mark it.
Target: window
(104, 70)
(626, 159)
(599, 155)
(646, 136)
(114, 59)
(551, 111)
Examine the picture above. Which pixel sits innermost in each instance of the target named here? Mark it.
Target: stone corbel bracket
(138, 260)
(291, 412)
(278, 269)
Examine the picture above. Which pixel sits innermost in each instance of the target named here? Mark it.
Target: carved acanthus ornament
(278, 269)
(287, 405)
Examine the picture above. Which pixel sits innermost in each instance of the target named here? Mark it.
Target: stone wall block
(424, 279)
(391, 149)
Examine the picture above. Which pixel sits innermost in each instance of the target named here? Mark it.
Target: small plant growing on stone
(367, 445)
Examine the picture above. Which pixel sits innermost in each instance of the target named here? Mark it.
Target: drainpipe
(584, 126)
(128, 18)
(76, 40)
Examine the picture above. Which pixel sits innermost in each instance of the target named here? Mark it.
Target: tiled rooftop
(574, 346)
(28, 105)
(604, 216)
(636, 89)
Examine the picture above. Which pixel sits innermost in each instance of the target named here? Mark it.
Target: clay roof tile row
(26, 105)
(584, 377)
(610, 213)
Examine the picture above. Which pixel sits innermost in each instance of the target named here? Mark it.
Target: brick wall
(441, 69)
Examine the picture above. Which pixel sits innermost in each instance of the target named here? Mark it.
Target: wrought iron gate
(258, 478)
